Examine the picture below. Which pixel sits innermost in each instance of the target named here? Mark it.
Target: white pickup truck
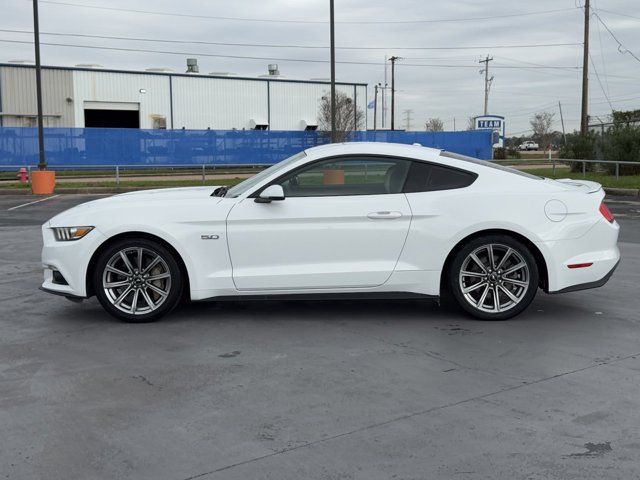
(528, 145)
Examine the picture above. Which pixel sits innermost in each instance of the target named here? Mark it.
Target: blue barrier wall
(111, 146)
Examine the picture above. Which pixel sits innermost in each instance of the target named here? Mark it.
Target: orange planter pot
(43, 182)
(333, 177)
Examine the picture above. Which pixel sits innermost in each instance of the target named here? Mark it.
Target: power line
(244, 57)
(536, 108)
(534, 64)
(618, 13)
(621, 47)
(618, 100)
(604, 92)
(301, 21)
(271, 45)
(604, 65)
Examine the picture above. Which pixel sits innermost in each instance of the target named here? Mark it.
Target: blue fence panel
(474, 143)
(119, 146)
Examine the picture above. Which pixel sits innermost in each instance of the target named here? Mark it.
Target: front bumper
(70, 259)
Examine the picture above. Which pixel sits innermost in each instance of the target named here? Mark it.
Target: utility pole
(584, 117)
(407, 119)
(333, 71)
(375, 107)
(487, 82)
(384, 94)
(564, 135)
(42, 164)
(393, 90)
(454, 124)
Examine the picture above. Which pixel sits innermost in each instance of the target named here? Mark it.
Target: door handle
(384, 215)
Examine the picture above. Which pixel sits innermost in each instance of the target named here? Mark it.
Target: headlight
(64, 234)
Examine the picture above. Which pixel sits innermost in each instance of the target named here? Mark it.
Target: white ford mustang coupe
(349, 220)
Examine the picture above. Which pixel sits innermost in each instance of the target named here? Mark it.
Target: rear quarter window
(426, 177)
(488, 164)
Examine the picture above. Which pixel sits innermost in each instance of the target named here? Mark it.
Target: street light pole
(42, 164)
(333, 72)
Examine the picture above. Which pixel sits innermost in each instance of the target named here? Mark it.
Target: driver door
(342, 224)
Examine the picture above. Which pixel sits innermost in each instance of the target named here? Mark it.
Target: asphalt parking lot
(315, 390)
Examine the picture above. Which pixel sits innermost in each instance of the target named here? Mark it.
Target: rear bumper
(588, 285)
(598, 247)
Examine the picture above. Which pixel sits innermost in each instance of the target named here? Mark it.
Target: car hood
(134, 201)
(166, 193)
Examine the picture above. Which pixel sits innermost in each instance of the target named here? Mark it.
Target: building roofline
(172, 74)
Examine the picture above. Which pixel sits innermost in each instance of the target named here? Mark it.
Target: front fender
(113, 233)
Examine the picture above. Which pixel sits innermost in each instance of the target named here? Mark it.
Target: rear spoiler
(586, 186)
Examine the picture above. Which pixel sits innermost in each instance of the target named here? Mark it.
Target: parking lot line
(35, 201)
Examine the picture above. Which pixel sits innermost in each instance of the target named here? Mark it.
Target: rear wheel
(137, 280)
(494, 277)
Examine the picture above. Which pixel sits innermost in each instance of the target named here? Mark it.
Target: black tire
(172, 285)
(494, 281)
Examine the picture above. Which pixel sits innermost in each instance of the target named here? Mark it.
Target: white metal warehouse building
(97, 97)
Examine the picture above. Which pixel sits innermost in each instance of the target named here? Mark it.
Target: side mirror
(271, 193)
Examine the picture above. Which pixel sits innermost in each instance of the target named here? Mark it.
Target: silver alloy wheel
(494, 278)
(136, 280)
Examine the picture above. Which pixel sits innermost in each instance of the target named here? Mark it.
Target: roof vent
(273, 70)
(258, 124)
(192, 65)
(308, 124)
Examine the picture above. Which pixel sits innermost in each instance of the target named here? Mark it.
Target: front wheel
(494, 277)
(137, 280)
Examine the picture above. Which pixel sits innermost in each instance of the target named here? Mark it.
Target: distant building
(91, 96)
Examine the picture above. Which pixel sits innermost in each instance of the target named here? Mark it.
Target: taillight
(606, 213)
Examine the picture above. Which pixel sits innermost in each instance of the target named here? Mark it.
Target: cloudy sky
(433, 78)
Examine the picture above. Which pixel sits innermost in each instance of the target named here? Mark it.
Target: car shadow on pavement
(544, 309)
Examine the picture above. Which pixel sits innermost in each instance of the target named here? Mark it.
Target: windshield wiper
(220, 191)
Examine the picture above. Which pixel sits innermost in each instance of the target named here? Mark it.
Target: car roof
(373, 148)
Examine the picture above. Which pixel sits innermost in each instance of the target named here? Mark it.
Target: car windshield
(488, 163)
(242, 187)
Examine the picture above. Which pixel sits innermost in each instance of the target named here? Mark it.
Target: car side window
(357, 175)
(427, 177)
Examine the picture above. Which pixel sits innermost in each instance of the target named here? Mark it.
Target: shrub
(622, 143)
(513, 153)
(499, 153)
(579, 147)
